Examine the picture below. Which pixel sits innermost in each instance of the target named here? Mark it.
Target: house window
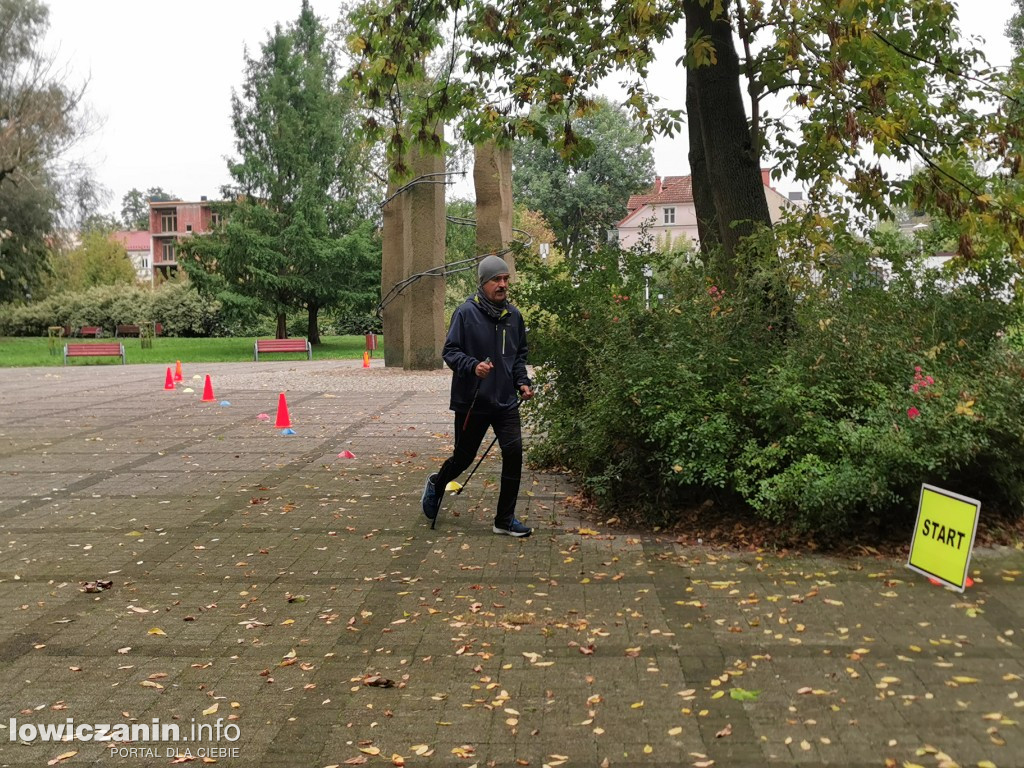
(169, 220)
(168, 251)
(145, 262)
(669, 215)
(188, 227)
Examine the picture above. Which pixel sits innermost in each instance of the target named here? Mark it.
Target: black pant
(508, 429)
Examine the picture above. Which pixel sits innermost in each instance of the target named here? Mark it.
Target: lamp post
(648, 274)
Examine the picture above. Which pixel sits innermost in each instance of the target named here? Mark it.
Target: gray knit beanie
(490, 267)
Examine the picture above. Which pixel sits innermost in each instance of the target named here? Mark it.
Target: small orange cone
(169, 382)
(366, 359)
(177, 372)
(283, 419)
(208, 390)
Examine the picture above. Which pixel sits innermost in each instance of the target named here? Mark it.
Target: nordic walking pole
(479, 462)
(481, 459)
(465, 423)
(476, 392)
(470, 475)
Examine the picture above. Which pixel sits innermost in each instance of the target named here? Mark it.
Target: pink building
(667, 212)
(170, 221)
(138, 244)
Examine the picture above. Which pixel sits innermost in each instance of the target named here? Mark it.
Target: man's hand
(525, 392)
(483, 370)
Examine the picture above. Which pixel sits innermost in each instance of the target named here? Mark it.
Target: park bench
(94, 350)
(281, 345)
(90, 331)
(126, 330)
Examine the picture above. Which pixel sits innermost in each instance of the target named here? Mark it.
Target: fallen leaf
(727, 731)
(739, 694)
(212, 709)
(157, 631)
(61, 757)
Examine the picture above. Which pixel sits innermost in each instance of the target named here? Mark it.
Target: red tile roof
(673, 189)
(132, 241)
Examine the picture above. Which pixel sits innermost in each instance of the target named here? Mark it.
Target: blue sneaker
(515, 528)
(431, 499)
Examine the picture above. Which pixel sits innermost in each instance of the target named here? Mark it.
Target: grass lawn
(19, 352)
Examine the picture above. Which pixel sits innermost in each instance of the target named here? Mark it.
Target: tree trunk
(313, 326)
(703, 200)
(733, 164)
(282, 326)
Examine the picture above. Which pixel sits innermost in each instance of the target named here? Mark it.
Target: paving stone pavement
(261, 584)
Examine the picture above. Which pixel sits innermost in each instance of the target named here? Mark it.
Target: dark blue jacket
(474, 336)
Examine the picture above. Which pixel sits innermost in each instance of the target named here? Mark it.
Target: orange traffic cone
(283, 419)
(177, 372)
(366, 359)
(208, 390)
(169, 381)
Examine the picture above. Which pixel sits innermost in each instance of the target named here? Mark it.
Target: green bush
(356, 323)
(176, 305)
(826, 420)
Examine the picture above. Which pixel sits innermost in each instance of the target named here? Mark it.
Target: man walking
(486, 350)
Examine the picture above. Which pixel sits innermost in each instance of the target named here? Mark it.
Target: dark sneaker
(515, 528)
(431, 499)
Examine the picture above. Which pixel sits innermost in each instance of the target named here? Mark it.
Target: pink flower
(912, 413)
(915, 387)
(917, 369)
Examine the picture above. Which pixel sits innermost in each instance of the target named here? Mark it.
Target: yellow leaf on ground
(157, 631)
(211, 709)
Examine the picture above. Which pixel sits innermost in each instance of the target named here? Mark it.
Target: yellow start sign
(944, 535)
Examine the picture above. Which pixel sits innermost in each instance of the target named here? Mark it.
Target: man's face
(496, 289)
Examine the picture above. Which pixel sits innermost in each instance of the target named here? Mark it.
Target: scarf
(494, 311)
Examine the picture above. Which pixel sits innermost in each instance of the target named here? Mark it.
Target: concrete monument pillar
(396, 243)
(423, 302)
(492, 179)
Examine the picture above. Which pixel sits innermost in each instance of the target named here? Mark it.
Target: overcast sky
(160, 79)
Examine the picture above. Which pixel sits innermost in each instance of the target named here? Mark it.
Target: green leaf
(739, 694)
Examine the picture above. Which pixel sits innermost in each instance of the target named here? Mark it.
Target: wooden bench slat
(94, 350)
(282, 345)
